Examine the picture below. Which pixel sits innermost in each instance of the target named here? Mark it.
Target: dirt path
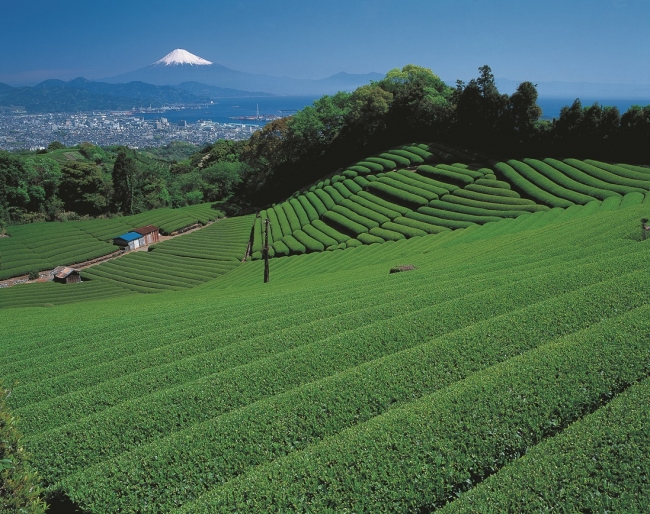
(48, 275)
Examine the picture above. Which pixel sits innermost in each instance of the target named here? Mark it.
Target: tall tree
(124, 182)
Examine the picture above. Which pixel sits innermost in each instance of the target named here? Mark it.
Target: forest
(408, 104)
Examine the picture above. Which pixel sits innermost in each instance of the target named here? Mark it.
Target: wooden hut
(151, 234)
(67, 276)
(130, 241)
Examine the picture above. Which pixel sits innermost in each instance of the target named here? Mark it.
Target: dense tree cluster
(408, 104)
(65, 183)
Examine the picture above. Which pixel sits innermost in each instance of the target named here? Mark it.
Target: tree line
(408, 104)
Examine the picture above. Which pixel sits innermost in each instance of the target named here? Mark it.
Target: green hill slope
(339, 386)
(428, 189)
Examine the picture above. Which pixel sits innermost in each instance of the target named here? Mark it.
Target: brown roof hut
(151, 234)
(67, 276)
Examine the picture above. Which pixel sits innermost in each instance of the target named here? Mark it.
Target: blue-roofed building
(130, 240)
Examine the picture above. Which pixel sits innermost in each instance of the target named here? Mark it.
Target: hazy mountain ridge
(81, 94)
(561, 89)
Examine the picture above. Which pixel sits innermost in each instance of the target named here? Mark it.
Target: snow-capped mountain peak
(180, 56)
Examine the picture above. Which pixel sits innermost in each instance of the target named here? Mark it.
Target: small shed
(151, 234)
(130, 240)
(67, 276)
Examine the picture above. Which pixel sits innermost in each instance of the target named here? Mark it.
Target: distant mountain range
(84, 95)
(180, 66)
(178, 78)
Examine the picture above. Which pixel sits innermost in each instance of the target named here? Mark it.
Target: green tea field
(506, 369)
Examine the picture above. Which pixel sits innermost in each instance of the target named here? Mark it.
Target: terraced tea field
(514, 346)
(41, 246)
(514, 356)
(408, 192)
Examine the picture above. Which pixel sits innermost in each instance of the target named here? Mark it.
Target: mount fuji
(180, 66)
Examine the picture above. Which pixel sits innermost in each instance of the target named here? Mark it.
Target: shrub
(372, 166)
(402, 267)
(316, 202)
(295, 247)
(281, 249)
(329, 231)
(491, 197)
(557, 176)
(33, 274)
(411, 156)
(421, 225)
(369, 239)
(491, 190)
(492, 183)
(361, 181)
(352, 186)
(309, 209)
(444, 175)
(334, 193)
(360, 169)
(417, 151)
(397, 195)
(363, 202)
(384, 163)
(325, 199)
(344, 223)
(403, 180)
(398, 159)
(387, 235)
(546, 184)
(363, 211)
(443, 187)
(404, 229)
(303, 218)
(19, 483)
(283, 223)
(529, 188)
(351, 219)
(342, 190)
(310, 243)
(613, 174)
(320, 236)
(292, 217)
(585, 178)
(383, 203)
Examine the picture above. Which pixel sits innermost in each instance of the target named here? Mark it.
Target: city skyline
(601, 41)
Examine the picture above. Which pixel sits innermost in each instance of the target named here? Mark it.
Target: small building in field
(151, 234)
(67, 276)
(129, 241)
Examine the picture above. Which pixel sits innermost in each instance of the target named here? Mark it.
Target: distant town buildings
(20, 131)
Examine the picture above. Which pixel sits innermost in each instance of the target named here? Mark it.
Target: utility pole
(265, 250)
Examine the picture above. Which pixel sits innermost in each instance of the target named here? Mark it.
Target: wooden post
(265, 250)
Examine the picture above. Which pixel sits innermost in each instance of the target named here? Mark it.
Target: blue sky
(605, 41)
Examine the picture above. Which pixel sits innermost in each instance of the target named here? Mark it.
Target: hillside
(85, 95)
(511, 356)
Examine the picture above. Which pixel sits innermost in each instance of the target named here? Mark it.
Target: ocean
(551, 106)
(223, 110)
